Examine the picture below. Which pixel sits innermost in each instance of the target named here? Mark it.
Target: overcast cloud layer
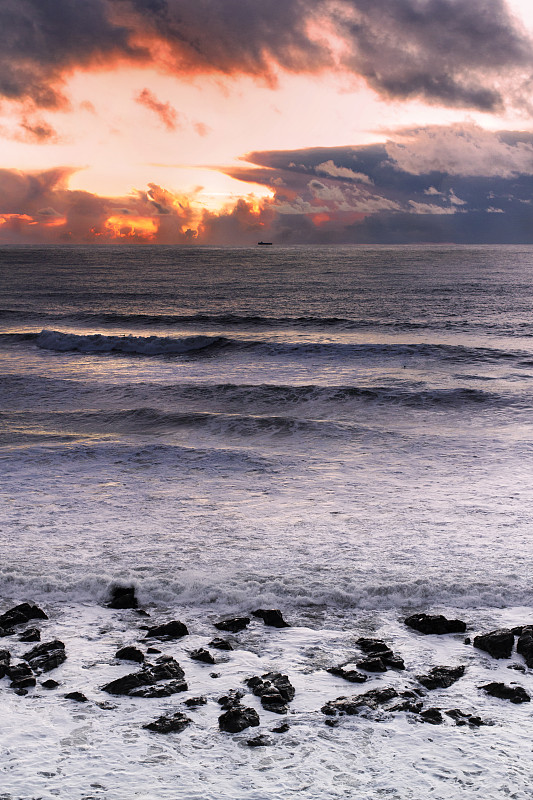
(451, 52)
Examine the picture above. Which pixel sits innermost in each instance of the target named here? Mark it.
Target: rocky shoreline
(159, 675)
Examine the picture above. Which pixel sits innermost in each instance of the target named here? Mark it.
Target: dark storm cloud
(466, 53)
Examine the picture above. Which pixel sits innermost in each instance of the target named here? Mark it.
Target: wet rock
(467, 640)
(21, 691)
(5, 660)
(31, 635)
(175, 723)
(525, 645)
(166, 668)
(498, 644)
(50, 684)
(376, 648)
(435, 624)
(214, 674)
(413, 706)
(152, 650)
(516, 694)
(231, 699)
(354, 704)
(6, 632)
(461, 719)
(351, 675)
(274, 689)
(160, 689)
(21, 675)
(202, 655)
(20, 614)
(432, 715)
(517, 667)
(122, 597)
(259, 741)
(194, 702)
(130, 654)
(233, 625)
(169, 630)
(374, 664)
(283, 728)
(441, 677)
(220, 644)
(271, 616)
(238, 719)
(45, 657)
(79, 697)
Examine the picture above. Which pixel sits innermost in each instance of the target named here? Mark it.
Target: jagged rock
(130, 654)
(271, 616)
(122, 597)
(79, 697)
(353, 705)
(516, 694)
(214, 674)
(525, 645)
(231, 699)
(152, 650)
(238, 719)
(498, 644)
(461, 719)
(351, 675)
(160, 689)
(233, 625)
(283, 728)
(169, 630)
(6, 632)
(414, 706)
(441, 677)
(46, 656)
(202, 655)
(5, 660)
(432, 715)
(30, 635)
(435, 624)
(376, 648)
(20, 614)
(259, 741)
(274, 689)
(21, 675)
(374, 664)
(171, 724)
(220, 644)
(517, 667)
(50, 684)
(164, 669)
(194, 702)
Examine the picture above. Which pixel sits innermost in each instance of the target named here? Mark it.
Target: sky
(293, 121)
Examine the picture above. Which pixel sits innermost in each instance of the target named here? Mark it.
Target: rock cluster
(274, 689)
(143, 683)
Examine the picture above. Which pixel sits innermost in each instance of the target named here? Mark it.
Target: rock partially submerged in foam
(441, 677)
(525, 645)
(351, 675)
(356, 703)
(274, 689)
(516, 694)
(233, 625)
(164, 669)
(220, 644)
(378, 649)
(122, 597)
(498, 644)
(435, 624)
(237, 719)
(19, 615)
(130, 654)
(46, 656)
(175, 723)
(271, 616)
(168, 630)
(5, 660)
(21, 675)
(202, 655)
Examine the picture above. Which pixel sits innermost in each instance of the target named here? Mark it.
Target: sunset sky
(230, 121)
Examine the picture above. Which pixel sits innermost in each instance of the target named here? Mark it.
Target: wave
(98, 343)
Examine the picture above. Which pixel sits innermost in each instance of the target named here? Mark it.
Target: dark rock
(130, 654)
(31, 635)
(516, 694)
(194, 702)
(6, 632)
(498, 644)
(373, 664)
(525, 645)
(152, 650)
(238, 719)
(432, 715)
(160, 689)
(169, 630)
(467, 640)
(214, 674)
(122, 597)
(164, 669)
(171, 724)
(283, 728)
(21, 614)
(233, 625)
(202, 655)
(461, 719)
(518, 629)
(354, 704)
(274, 689)
(21, 675)
(46, 656)
(441, 677)
(231, 699)
(331, 723)
(435, 623)
(141, 612)
(376, 648)
(414, 706)
(5, 660)
(351, 675)
(20, 691)
(259, 741)
(220, 644)
(79, 697)
(271, 616)
(517, 667)
(50, 684)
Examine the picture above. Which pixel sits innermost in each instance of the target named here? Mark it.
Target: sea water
(343, 433)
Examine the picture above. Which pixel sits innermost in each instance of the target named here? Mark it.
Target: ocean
(341, 433)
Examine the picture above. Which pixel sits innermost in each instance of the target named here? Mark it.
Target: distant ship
(264, 243)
